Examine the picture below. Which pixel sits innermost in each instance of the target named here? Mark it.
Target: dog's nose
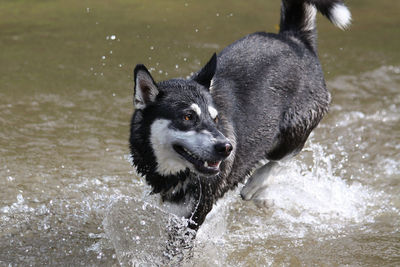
(223, 148)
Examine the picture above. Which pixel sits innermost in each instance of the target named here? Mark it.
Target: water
(70, 197)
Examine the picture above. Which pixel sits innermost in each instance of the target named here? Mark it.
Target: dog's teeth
(206, 164)
(188, 152)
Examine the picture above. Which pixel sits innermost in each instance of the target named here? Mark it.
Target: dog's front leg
(179, 245)
(182, 232)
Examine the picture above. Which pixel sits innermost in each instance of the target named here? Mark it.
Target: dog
(255, 102)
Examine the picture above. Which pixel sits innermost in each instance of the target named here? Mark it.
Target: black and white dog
(256, 101)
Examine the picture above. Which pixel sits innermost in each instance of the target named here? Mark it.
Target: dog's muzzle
(207, 164)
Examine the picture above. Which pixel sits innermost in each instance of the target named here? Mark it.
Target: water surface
(65, 105)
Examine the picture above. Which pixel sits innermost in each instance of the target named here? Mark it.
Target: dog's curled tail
(298, 16)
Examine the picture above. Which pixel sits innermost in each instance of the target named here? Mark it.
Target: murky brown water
(65, 106)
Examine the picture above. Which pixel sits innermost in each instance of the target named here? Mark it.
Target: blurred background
(66, 95)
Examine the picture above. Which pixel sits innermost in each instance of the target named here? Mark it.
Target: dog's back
(271, 86)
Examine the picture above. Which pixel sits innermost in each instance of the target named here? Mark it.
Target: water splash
(314, 195)
(306, 198)
(143, 234)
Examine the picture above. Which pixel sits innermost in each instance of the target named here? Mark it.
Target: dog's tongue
(213, 164)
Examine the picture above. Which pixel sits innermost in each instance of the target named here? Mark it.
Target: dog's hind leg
(258, 181)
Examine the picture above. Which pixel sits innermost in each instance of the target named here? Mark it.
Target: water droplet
(5, 209)
(92, 235)
(20, 199)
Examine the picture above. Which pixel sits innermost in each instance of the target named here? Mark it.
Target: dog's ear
(205, 75)
(145, 88)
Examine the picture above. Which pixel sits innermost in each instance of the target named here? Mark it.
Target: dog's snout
(223, 148)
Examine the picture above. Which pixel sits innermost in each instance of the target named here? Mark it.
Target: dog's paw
(255, 183)
(258, 181)
(249, 191)
(259, 195)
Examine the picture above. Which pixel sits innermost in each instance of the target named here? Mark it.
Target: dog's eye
(188, 117)
(216, 119)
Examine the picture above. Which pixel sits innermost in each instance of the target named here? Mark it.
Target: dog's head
(175, 124)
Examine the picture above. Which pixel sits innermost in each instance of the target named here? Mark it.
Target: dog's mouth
(203, 166)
